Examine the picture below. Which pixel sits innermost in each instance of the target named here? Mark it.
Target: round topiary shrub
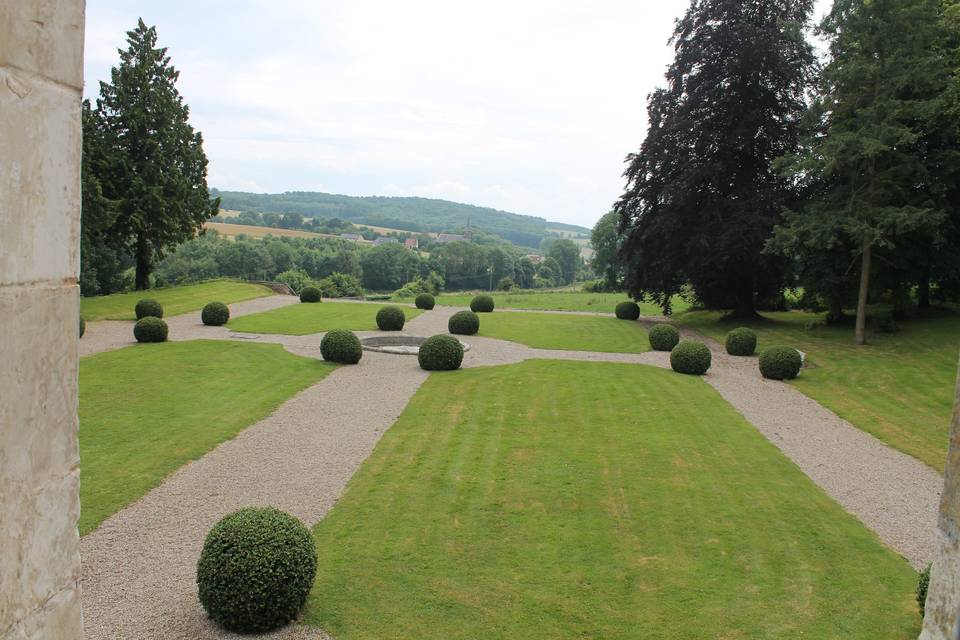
(256, 569)
(741, 342)
(340, 345)
(481, 304)
(425, 301)
(689, 357)
(440, 353)
(780, 363)
(215, 314)
(150, 329)
(391, 318)
(663, 337)
(464, 323)
(148, 308)
(627, 310)
(83, 326)
(310, 294)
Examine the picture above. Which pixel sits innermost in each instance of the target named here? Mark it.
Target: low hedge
(310, 294)
(663, 337)
(150, 329)
(692, 358)
(481, 304)
(83, 326)
(215, 314)
(627, 310)
(425, 301)
(464, 323)
(341, 346)
(391, 318)
(780, 363)
(440, 353)
(256, 570)
(741, 342)
(148, 308)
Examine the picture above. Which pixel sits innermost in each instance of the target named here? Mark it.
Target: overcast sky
(528, 106)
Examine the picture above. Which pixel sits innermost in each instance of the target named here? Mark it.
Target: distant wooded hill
(409, 214)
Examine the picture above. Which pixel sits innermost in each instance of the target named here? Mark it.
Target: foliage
(741, 342)
(627, 310)
(388, 266)
(431, 285)
(215, 314)
(150, 329)
(606, 242)
(780, 363)
(175, 300)
(390, 318)
(425, 301)
(923, 584)
(482, 304)
(342, 346)
(506, 283)
(884, 322)
(148, 307)
(83, 326)
(464, 323)
(310, 294)
(690, 357)
(440, 353)
(663, 337)
(340, 285)
(567, 254)
(296, 279)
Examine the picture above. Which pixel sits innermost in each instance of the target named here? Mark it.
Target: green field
(570, 332)
(899, 387)
(175, 300)
(604, 501)
(146, 410)
(303, 319)
(557, 301)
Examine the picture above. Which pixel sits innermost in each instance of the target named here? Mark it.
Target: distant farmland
(231, 230)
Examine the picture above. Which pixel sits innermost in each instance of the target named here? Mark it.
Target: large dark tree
(702, 194)
(100, 256)
(158, 170)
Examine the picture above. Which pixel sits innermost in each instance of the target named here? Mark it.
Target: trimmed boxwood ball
(780, 363)
(425, 301)
(481, 304)
(627, 310)
(690, 357)
(663, 337)
(340, 345)
(215, 314)
(148, 308)
(741, 342)
(83, 326)
(440, 353)
(256, 569)
(150, 329)
(464, 323)
(391, 318)
(310, 294)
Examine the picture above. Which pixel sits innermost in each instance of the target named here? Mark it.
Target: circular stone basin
(402, 345)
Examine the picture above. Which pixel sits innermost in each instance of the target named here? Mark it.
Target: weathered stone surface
(43, 37)
(58, 619)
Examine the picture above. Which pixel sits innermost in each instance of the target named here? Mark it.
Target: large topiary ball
(310, 294)
(741, 342)
(663, 337)
(148, 308)
(83, 326)
(256, 569)
(150, 329)
(425, 301)
(481, 304)
(690, 357)
(627, 310)
(391, 318)
(215, 314)
(464, 323)
(340, 345)
(440, 353)
(780, 363)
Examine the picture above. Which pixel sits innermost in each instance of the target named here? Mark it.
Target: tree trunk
(860, 336)
(923, 292)
(143, 264)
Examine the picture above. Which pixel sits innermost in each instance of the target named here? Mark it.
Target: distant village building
(385, 240)
(467, 236)
(411, 243)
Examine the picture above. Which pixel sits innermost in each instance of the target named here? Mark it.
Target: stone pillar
(942, 620)
(41, 78)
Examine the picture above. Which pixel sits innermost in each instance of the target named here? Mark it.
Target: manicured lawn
(899, 387)
(302, 319)
(559, 301)
(557, 500)
(148, 409)
(572, 332)
(175, 300)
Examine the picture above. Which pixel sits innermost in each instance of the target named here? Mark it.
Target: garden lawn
(175, 300)
(306, 318)
(600, 501)
(148, 409)
(558, 301)
(569, 332)
(899, 387)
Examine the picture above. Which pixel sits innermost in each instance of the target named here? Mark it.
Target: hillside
(409, 214)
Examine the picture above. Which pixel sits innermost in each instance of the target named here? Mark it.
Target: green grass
(899, 387)
(558, 301)
(600, 501)
(571, 332)
(303, 319)
(148, 409)
(175, 300)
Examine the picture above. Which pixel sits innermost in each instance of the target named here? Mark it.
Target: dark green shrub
(83, 326)
(780, 363)
(148, 308)
(464, 323)
(215, 314)
(481, 304)
(628, 310)
(741, 342)
(340, 345)
(884, 322)
(310, 294)
(440, 353)
(391, 318)
(692, 358)
(150, 329)
(923, 583)
(663, 337)
(256, 569)
(425, 301)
